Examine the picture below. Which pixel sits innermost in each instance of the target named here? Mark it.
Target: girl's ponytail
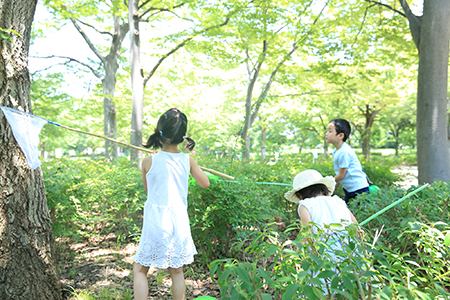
(156, 140)
(190, 144)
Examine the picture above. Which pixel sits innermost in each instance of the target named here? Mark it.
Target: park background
(259, 82)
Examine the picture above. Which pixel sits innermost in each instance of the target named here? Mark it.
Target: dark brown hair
(313, 191)
(171, 129)
(342, 126)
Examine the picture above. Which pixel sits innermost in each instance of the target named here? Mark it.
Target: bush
(428, 206)
(302, 268)
(88, 196)
(225, 213)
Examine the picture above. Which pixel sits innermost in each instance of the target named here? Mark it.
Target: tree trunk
(263, 143)
(27, 269)
(432, 140)
(366, 134)
(137, 83)
(325, 147)
(109, 111)
(396, 146)
(110, 65)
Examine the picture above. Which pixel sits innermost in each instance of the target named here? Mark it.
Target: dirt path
(409, 175)
(100, 268)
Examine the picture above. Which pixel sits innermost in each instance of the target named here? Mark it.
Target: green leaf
(272, 250)
(224, 276)
(345, 294)
(243, 274)
(267, 297)
(309, 292)
(447, 239)
(291, 290)
(285, 279)
(335, 282)
(348, 282)
(326, 274)
(305, 265)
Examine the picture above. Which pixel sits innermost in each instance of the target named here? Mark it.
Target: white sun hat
(307, 178)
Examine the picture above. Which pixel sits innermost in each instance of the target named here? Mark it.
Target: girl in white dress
(166, 241)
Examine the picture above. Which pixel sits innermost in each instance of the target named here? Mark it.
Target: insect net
(26, 128)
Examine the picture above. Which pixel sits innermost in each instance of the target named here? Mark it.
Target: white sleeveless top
(166, 239)
(326, 210)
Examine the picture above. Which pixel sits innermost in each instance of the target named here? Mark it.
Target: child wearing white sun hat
(313, 192)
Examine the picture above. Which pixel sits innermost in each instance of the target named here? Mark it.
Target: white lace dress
(166, 239)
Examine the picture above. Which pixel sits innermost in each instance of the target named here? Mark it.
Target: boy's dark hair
(313, 191)
(171, 129)
(342, 126)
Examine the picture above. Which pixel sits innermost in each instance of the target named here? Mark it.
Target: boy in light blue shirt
(347, 167)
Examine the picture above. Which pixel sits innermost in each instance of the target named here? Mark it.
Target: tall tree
(269, 27)
(27, 268)
(431, 35)
(192, 20)
(137, 81)
(91, 14)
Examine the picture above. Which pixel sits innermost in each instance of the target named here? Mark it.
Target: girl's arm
(360, 231)
(198, 174)
(146, 165)
(352, 217)
(304, 215)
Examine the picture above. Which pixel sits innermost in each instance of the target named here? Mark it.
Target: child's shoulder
(146, 163)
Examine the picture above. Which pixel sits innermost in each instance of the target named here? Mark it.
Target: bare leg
(140, 283)
(178, 285)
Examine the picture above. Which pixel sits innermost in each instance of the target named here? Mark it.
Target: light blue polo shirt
(355, 178)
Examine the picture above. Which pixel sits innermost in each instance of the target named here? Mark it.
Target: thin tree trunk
(432, 139)
(137, 83)
(263, 143)
(367, 132)
(110, 65)
(109, 111)
(27, 268)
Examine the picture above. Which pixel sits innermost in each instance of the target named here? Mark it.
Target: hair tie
(184, 137)
(160, 133)
(174, 109)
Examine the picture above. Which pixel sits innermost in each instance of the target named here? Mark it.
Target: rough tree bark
(431, 34)
(27, 268)
(433, 157)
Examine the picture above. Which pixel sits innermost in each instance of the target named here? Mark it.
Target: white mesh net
(26, 128)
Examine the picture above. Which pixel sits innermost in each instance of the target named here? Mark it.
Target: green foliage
(307, 268)
(94, 196)
(429, 206)
(378, 170)
(226, 212)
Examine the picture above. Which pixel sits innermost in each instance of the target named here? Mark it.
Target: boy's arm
(340, 176)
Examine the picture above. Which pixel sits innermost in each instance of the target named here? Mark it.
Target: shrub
(224, 213)
(427, 206)
(88, 196)
(302, 268)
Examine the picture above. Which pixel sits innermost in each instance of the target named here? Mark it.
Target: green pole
(393, 204)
